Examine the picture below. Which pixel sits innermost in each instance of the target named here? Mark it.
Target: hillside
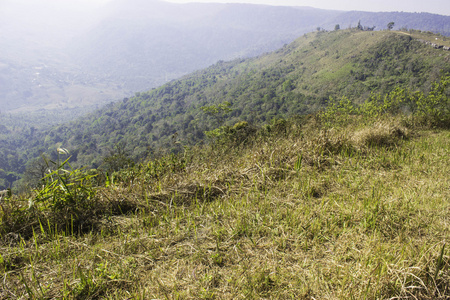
(298, 79)
(350, 203)
(57, 55)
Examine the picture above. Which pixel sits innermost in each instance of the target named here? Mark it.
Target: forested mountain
(145, 47)
(297, 79)
(57, 55)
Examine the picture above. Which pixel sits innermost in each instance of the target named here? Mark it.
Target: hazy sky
(441, 7)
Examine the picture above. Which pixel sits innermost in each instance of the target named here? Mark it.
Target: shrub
(433, 110)
(235, 135)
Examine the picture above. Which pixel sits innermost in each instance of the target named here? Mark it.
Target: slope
(352, 208)
(297, 79)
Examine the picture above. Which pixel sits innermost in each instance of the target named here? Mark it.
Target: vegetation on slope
(349, 203)
(297, 79)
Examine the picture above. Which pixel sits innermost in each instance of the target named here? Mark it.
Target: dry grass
(307, 213)
(381, 134)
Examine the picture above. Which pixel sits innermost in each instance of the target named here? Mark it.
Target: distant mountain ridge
(96, 55)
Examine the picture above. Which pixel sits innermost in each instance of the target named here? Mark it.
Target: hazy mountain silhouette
(56, 55)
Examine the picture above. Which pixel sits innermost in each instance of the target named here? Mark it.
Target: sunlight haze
(441, 7)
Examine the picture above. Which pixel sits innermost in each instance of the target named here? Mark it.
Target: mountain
(297, 79)
(57, 55)
(177, 39)
(35, 70)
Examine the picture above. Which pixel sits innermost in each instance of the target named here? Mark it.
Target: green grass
(339, 73)
(300, 211)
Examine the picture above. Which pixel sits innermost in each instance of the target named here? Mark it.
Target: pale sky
(441, 7)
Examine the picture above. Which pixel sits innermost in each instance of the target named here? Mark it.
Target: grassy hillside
(350, 203)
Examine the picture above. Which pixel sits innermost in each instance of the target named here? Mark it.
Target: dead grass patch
(381, 134)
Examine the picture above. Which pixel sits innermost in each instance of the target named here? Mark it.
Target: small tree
(390, 25)
(359, 27)
(35, 172)
(288, 86)
(218, 112)
(117, 159)
(337, 27)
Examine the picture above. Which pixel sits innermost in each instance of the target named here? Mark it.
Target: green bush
(430, 110)
(433, 109)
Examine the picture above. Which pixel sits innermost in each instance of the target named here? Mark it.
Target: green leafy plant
(433, 109)
(67, 194)
(218, 112)
(391, 103)
(66, 187)
(337, 112)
